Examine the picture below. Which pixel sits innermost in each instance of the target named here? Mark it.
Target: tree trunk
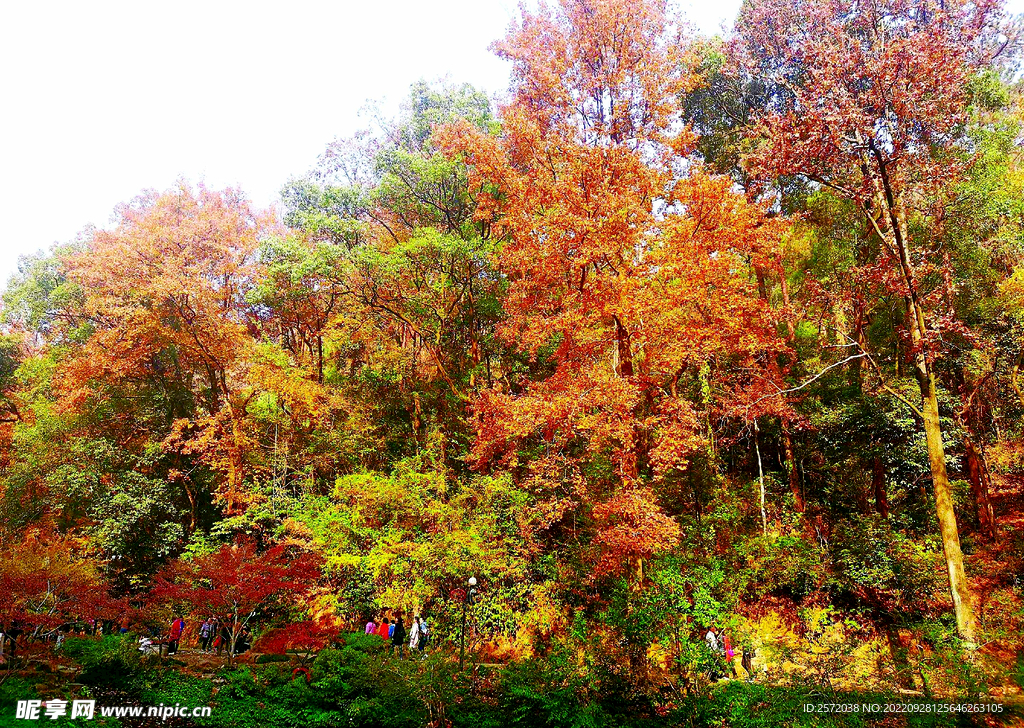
(760, 480)
(791, 471)
(624, 351)
(975, 468)
(320, 359)
(959, 588)
(637, 656)
(878, 487)
(900, 658)
(790, 329)
(1015, 378)
(193, 521)
(235, 465)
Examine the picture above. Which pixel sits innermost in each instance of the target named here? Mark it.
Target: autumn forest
(678, 384)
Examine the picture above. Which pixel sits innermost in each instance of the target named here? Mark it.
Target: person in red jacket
(174, 636)
(384, 629)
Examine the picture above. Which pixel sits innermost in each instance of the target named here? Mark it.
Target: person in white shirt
(712, 639)
(414, 634)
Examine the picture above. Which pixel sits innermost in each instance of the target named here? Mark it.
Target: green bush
(113, 661)
(263, 659)
(551, 691)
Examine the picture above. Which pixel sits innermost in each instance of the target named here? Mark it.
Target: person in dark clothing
(206, 633)
(12, 636)
(398, 636)
(747, 662)
(224, 639)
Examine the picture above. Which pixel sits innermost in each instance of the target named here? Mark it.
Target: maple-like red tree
(47, 580)
(871, 101)
(305, 638)
(236, 581)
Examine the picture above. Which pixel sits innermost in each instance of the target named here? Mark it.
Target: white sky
(102, 99)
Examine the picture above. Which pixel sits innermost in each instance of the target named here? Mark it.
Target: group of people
(393, 632)
(214, 635)
(721, 645)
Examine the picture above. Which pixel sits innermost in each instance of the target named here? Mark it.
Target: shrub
(111, 662)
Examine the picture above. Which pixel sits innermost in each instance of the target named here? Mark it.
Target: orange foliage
(629, 272)
(166, 298)
(47, 580)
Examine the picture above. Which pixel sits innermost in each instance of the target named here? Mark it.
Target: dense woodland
(676, 332)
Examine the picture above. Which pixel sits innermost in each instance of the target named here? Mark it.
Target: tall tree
(871, 102)
(166, 307)
(629, 278)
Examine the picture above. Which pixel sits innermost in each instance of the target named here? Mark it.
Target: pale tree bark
(960, 591)
(760, 480)
(1015, 378)
(891, 226)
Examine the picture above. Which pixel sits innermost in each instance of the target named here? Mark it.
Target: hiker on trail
(147, 647)
(424, 635)
(206, 633)
(715, 646)
(244, 641)
(384, 632)
(414, 634)
(730, 654)
(398, 636)
(224, 638)
(747, 662)
(712, 639)
(174, 636)
(371, 627)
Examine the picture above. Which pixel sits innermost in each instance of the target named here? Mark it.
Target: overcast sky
(100, 100)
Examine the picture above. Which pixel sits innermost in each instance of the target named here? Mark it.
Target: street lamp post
(462, 634)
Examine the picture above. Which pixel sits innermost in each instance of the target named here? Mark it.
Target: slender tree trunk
(791, 471)
(979, 487)
(320, 359)
(1015, 378)
(235, 465)
(879, 488)
(959, 588)
(760, 480)
(637, 659)
(236, 629)
(192, 506)
(790, 329)
(624, 350)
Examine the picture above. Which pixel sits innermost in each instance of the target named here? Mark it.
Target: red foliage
(235, 581)
(47, 580)
(860, 83)
(306, 638)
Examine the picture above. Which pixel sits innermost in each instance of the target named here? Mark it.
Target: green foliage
(39, 291)
(552, 691)
(874, 559)
(112, 662)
